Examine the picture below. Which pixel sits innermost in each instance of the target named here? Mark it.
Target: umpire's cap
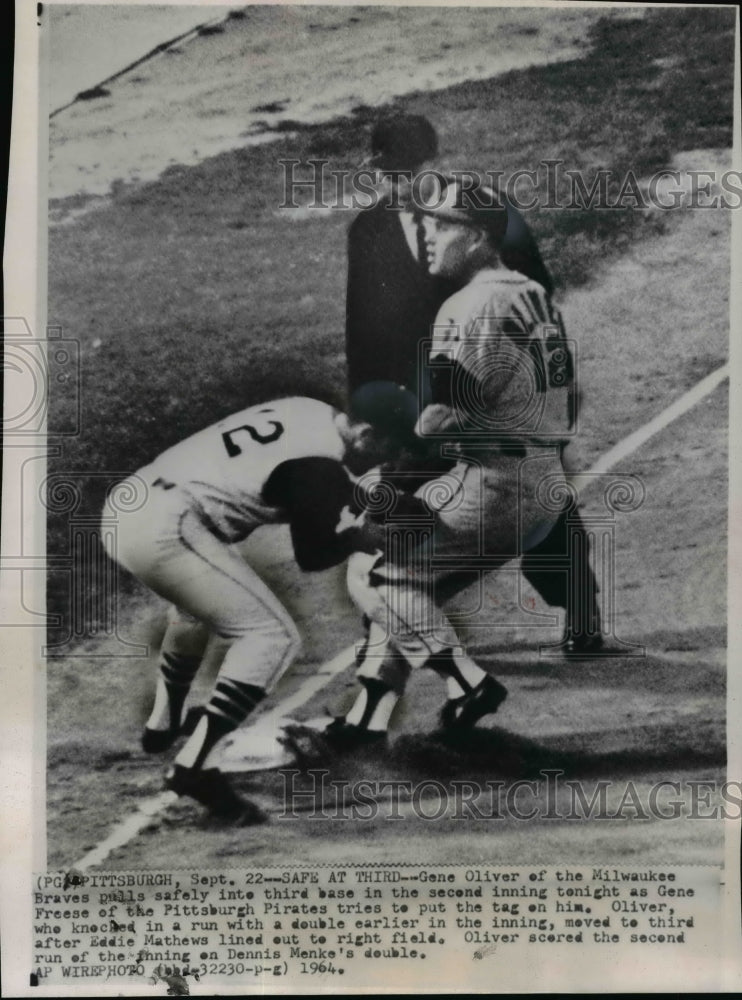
(402, 142)
(390, 408)
(471, 205)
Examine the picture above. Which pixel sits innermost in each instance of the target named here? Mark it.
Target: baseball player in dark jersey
(290, 461)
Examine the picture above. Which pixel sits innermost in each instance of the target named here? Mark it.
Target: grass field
(191, 295)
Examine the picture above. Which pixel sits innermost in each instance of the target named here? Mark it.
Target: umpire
(391, 304)
(391, 298)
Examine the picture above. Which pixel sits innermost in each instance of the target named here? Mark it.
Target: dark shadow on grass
(674, 662)
(485, 755)
(498, 753)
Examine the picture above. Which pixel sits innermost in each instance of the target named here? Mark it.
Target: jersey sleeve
(312, 492)
(530, 375)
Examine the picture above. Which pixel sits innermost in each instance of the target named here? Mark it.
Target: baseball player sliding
(289, 461)
(501, 404)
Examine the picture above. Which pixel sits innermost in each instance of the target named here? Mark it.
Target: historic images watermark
(311, 794)
(43, 413)
(314, 184)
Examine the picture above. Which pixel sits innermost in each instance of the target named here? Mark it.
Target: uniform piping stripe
(525, 323)
(538, 305)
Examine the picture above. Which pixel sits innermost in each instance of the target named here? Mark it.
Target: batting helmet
(389, 408)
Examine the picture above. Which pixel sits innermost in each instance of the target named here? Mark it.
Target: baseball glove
(309, 746)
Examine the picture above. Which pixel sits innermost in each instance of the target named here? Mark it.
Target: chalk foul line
(634, 441)
(265, 727)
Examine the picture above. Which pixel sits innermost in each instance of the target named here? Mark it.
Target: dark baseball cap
(402, 142)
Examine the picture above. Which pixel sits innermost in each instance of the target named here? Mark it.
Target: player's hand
(307, 744)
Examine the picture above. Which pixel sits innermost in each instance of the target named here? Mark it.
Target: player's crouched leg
(181, 652)
(177, 555)
(242, 683)
(139, 532)
(425, 637)
(382, 674)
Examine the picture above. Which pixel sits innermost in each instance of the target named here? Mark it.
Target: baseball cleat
(466, 711)
(160, 740)
(212, 789)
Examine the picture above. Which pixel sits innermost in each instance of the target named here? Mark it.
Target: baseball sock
(376, 701)
(230, 704)
(173, 684)
(382, 684)
(462, 672)
(454, 689)
(374, 705)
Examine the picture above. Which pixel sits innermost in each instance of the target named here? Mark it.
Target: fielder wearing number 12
(287, 461)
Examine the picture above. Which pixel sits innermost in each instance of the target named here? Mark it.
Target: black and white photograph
(371, 540)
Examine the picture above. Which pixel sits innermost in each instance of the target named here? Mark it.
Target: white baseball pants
(167, 545)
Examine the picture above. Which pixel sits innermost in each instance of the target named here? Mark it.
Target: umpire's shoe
(466, 711)
(581, 644)
(580, 641)
(212, 789)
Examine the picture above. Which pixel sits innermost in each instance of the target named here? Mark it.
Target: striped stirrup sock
(229, 705)
(176, 676)
(233, 701)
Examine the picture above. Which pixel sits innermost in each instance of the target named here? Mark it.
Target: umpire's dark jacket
(392, 301)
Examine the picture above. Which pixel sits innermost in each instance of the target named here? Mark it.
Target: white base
(256, 747)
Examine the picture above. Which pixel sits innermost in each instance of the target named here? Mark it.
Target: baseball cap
(402, 142)
(473, 205)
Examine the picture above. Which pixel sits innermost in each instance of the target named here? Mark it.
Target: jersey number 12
(233, 449)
